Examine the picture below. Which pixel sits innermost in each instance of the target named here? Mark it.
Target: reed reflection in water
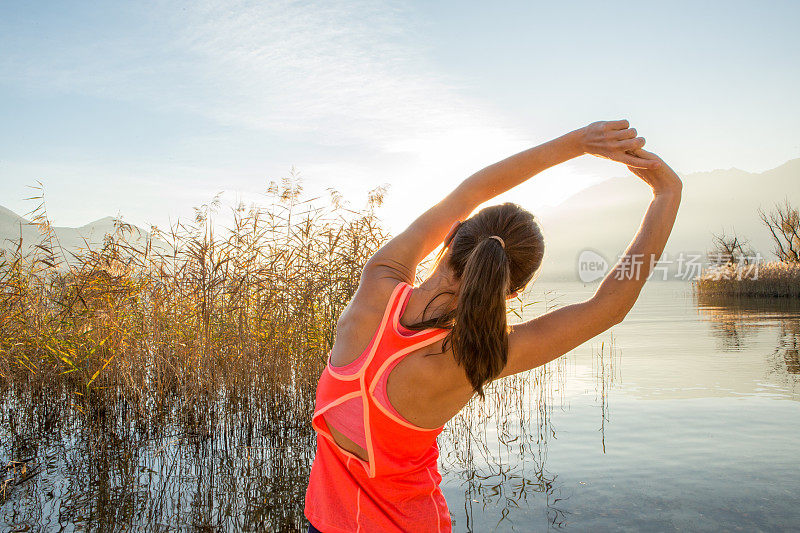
(248, 470)
(497, 452)
(735, 321)
(702, 431)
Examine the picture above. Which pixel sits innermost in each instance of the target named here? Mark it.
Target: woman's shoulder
(361, 318)
(370, 299)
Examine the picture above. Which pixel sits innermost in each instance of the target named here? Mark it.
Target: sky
(146, 109)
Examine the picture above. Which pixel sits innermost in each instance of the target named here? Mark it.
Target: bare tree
(730, 250)
(784, 224)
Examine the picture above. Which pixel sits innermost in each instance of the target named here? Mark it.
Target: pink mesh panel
(382, 396)
(348, 418)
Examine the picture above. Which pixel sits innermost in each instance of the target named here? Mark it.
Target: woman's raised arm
(538, 341)
(400, 256)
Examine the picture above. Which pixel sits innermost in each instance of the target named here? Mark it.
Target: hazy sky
(150, 108)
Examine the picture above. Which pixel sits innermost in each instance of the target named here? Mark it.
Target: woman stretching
(407, 359)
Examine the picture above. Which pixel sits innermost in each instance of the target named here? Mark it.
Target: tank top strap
(399, 300)
(393, 344)
(386, 339)
(412, 336)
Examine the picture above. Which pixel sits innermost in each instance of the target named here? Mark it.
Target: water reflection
(606, 370)
(243, 465)
(788, 347)
(496, 450)
(123, 474)
(784, 361)
(737, 321)
(247, 469)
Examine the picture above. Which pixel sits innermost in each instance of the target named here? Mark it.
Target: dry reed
(197, 350)
(758, 280)
(194, 312)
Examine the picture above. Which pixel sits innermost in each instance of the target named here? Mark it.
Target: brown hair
(488, 272)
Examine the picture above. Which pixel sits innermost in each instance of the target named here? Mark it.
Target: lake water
(691, 422)
(684, 417)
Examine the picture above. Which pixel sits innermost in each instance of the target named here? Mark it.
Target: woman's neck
(441, 286)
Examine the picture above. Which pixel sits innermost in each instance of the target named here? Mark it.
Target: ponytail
(493, 254)
(480, 333)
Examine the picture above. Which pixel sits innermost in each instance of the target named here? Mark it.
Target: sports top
(397, 488)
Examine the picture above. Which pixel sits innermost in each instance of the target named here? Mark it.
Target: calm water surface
(690, 423)
(685, 417)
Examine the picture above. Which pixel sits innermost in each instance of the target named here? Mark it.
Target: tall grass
(149, 354)
(762, 280)
(193, 312)
(193, 354)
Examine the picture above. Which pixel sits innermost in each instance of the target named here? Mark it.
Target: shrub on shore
(736, 271)
(777, 279)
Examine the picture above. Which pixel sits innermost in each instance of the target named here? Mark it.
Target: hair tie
(501, 241)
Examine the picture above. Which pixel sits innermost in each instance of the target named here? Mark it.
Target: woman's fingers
(639, 160)
(644, 154)
(629, 145)
(618, 124)
(621, 135)
(616, 140)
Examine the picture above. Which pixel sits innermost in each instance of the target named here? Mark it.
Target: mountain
(606, 216)
(12, 226)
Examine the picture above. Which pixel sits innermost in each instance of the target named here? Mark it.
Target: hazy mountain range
(606, 216)
(12, 226)
(603, 217)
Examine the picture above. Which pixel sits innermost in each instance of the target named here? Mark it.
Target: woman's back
(394, 483)
(426, 387)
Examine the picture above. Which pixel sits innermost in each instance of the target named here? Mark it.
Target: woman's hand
(615, 140)
(662, 179)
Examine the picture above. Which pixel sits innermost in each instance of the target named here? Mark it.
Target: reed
(780, 279)
(193, 312)
(194, 353)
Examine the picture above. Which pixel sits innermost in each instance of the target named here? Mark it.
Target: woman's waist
(394, 486)
(391, 464)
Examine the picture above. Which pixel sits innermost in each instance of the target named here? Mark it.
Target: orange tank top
(397, 488)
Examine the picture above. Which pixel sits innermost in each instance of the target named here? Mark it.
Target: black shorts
(312, 529)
